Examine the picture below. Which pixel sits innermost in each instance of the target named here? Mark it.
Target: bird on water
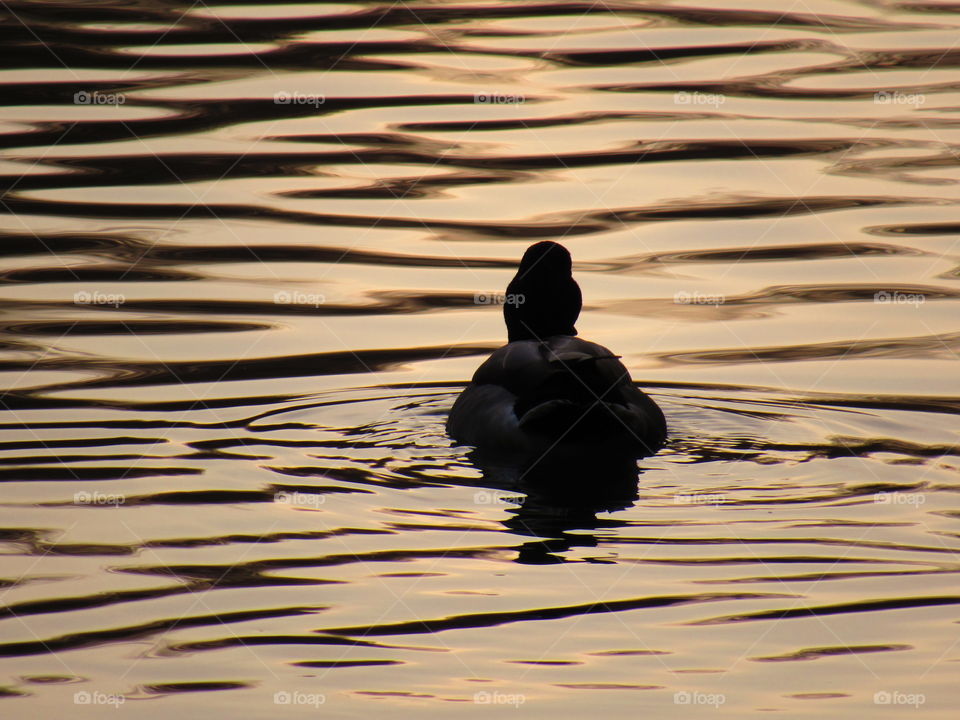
(547, 388)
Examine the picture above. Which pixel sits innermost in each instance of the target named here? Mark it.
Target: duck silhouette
(548, 390)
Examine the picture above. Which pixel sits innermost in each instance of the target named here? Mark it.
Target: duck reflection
(559, 495)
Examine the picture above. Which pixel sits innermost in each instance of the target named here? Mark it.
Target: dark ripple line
(80, 442)
(806, 251)
(605, 58)
(165, 211)
(195, 686)
(255, 568)
(385, 303)
(254, 640)
(190, 117)
(819, 652)
(134, 170)
(73, 641)
(900, 547)
(568, 223)
(921, 346)
(137, 374)
(64, 459)
(477, 620)
(773, 87)
(59, 329)
(58, 20)
(74, 473)
(838, 609)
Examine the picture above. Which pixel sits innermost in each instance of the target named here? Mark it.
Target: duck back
(560, 390)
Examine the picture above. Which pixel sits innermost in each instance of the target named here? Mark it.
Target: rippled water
(250, 256)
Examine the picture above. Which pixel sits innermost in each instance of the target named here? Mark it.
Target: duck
(548, 389)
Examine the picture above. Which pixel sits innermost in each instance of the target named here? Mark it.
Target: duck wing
(524, 363)
(561, 387)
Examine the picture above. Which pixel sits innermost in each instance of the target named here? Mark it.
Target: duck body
(555, 394)
(548, 390)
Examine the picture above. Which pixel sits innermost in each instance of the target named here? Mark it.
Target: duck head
(543, 298)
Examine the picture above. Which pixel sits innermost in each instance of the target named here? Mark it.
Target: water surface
(250, 257)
